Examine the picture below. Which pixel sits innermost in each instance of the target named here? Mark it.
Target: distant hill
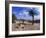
(35, 21)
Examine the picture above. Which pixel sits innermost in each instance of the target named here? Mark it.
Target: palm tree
(32, 13)
(13, 18)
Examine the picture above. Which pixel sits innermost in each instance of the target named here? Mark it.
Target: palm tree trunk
(33, 20)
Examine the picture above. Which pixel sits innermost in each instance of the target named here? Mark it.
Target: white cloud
(26, 12)
(37, 17)
(20, 13)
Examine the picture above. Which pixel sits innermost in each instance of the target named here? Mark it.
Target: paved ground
(26, 26)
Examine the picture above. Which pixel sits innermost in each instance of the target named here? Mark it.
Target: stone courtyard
(20, 26)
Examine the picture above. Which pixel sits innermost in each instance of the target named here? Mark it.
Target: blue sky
(23, 13)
